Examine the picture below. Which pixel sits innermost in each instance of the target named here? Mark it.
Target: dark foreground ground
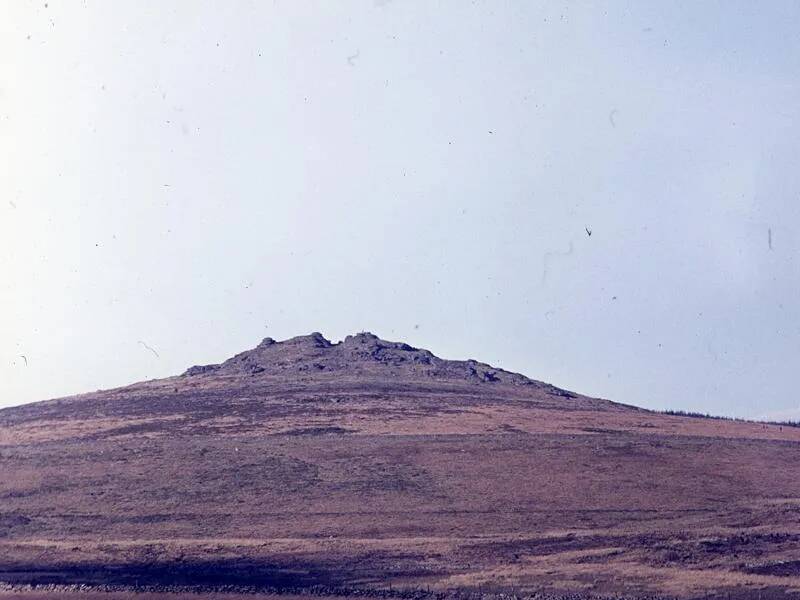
(386, 482)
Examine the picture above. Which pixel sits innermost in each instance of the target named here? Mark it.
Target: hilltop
(363, 354)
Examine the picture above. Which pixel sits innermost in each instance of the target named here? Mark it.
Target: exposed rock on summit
(363, 354)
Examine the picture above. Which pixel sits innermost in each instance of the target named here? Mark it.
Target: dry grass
(373, 484)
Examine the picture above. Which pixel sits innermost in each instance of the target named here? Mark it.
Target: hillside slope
(375, 465)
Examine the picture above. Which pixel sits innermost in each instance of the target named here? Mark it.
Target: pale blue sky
(198, 175)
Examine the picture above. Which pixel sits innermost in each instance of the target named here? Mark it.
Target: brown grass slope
(372, 465)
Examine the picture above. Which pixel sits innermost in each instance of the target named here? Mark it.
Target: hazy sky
(194, 176)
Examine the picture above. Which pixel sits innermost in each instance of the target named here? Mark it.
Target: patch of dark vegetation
(184, 574)
(318, 431)
(699, 415)
(55, 487)
(484, 592)
(535, 547)
(506, 428)
(149, 519)
(11, 521)
(600, 558)
(598, 430)
(743, 545)
(784, 423)
(783, 568)
(131, 429)
(235, 576)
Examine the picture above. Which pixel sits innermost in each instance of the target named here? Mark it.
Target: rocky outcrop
(363, 354)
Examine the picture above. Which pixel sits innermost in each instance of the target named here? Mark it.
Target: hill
(373, 467)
